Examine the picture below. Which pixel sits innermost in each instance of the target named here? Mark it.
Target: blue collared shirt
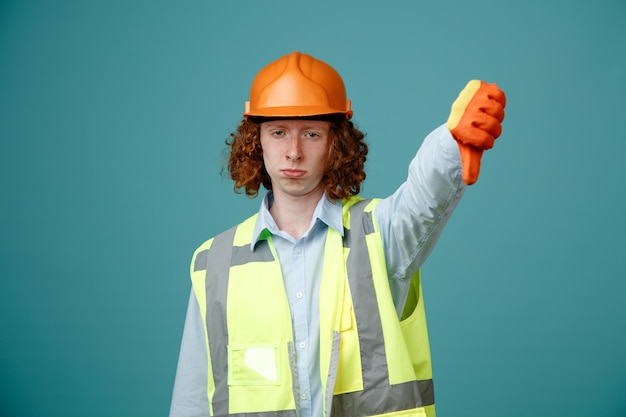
(410, 221)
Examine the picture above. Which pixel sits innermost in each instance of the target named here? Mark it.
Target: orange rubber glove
(475, 122)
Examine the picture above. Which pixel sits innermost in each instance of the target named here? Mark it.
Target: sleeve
(189, 398)
(413, 217)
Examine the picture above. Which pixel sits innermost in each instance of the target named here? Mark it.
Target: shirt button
(299, 294)
(301, 345)
(298, 249)
(303, 396)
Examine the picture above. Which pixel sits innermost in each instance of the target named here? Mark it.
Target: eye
(312, 135)
(278, 132)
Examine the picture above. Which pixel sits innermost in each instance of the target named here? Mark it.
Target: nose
(294, 152)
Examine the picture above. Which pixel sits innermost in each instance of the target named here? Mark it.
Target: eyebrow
(279, 125)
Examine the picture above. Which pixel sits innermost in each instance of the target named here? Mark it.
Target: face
(295, 152)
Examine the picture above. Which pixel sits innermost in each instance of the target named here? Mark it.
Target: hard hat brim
(296, 111)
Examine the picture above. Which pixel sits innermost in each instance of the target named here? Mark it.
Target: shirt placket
(298, 296)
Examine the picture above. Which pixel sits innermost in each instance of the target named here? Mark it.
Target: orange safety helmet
(297, 85)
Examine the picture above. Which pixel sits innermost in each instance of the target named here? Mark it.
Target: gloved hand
(475, 122)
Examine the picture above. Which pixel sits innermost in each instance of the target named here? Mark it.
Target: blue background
(113, 117)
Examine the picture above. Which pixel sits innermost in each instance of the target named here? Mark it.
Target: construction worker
(313, 307)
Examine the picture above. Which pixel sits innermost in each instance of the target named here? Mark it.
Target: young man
(313, 307)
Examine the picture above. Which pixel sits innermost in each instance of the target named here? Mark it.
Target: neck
(293, 214)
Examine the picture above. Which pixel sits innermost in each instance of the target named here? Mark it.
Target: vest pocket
(254, 365)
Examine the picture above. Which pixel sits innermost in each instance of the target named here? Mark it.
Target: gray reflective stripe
(222, 255)
(295, 385)
(201, 260)
(373, 357)
(386, 399)
(216, 287)
(346, 238)
(368, 223)
(332, 373)
(243, 254)
(378, 396)
(283, 413)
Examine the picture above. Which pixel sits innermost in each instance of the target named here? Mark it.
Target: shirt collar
(327, 211)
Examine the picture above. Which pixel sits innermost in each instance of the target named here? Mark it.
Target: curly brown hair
(344, 171)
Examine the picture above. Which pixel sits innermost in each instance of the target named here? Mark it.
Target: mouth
(293, 173)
